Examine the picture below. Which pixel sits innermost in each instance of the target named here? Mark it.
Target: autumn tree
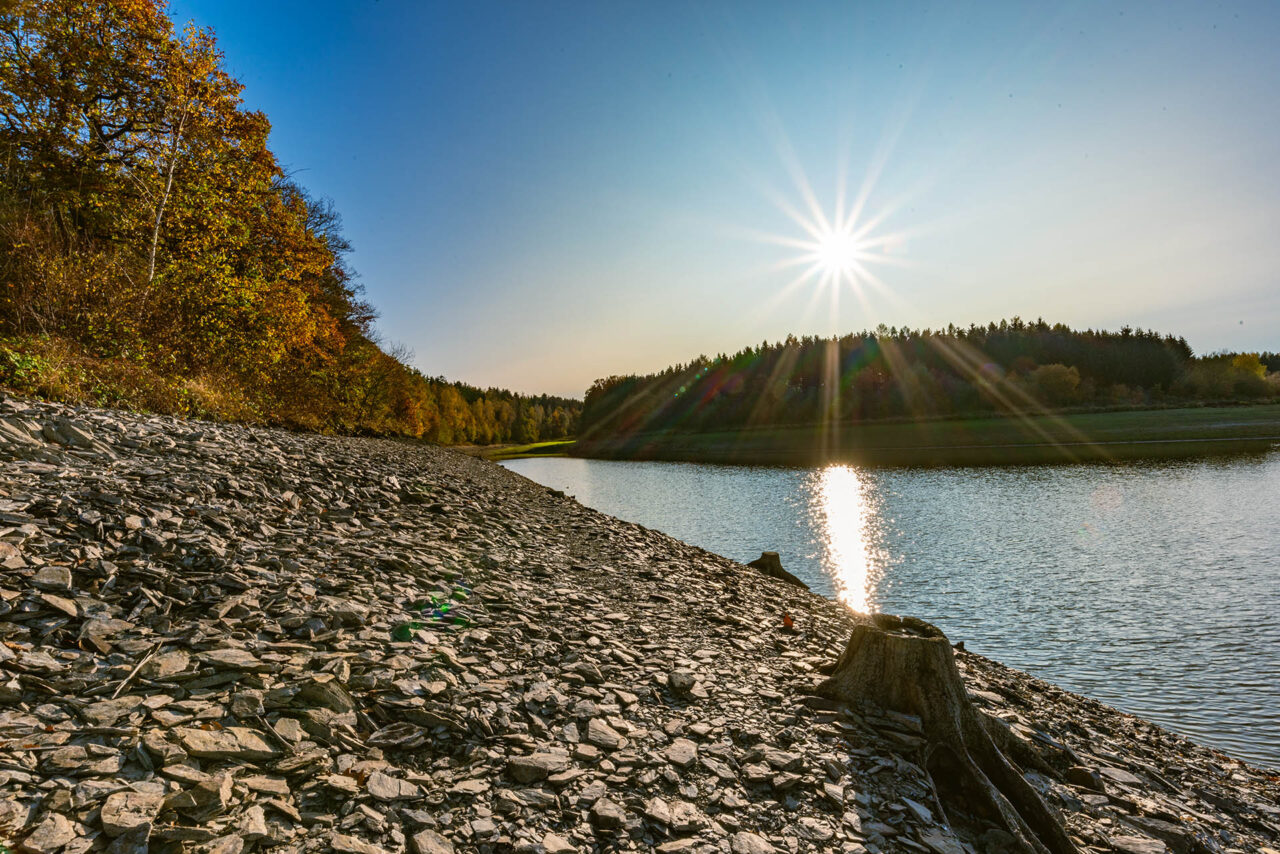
(144, 218)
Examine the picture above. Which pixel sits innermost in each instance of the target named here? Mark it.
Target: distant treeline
(154, 253)
(1006, 367)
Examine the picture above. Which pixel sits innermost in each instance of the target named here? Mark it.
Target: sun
(837, 249)
(837, 253)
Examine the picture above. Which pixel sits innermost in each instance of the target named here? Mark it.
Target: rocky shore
(220, 639)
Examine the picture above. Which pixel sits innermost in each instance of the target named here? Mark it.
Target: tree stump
(771, 565)
(906, 665)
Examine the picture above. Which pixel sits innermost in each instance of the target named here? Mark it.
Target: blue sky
(544, 193)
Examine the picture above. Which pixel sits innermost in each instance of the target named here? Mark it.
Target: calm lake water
(1154, 587)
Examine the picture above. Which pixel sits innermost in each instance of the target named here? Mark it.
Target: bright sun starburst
(837, 253)
(837, 248)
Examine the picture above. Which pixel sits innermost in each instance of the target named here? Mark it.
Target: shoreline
(1061, 637)
(1044, 439)
(593, 685)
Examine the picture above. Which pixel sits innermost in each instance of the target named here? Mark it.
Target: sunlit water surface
(1153, 587)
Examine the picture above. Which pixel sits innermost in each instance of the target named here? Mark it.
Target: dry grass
(57, 369)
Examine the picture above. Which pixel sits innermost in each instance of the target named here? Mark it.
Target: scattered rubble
(224, 639)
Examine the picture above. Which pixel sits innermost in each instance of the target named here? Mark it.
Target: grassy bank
(1079, 437)
(58, 369)
(556, 448)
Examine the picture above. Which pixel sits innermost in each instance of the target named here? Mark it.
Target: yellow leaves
(1249, 363)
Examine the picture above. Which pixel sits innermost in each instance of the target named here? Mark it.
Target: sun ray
(833, 249)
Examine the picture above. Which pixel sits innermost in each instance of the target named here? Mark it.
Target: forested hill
(1009, 367)
(155, 254)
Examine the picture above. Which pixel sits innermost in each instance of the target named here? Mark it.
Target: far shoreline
(1089, 437)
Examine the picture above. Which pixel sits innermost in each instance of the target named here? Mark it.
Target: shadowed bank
(1084, 437)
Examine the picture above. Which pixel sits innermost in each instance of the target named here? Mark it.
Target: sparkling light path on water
(853, 563)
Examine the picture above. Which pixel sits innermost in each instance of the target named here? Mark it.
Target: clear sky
(544, 193)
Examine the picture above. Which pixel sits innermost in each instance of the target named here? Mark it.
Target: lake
(1154, 587)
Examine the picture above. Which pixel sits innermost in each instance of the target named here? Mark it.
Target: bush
(1057, 385)
(18, 369)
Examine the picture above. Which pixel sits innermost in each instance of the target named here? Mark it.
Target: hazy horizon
(540, 195)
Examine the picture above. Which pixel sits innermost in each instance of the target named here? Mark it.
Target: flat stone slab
(682, 753)
(123, 812)
(539, 766)
(234, 659)
(230, 743)
(744, 842)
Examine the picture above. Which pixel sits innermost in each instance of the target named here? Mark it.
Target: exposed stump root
(906, 665)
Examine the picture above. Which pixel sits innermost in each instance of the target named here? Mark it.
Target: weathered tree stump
(770, 564)
(906, 665)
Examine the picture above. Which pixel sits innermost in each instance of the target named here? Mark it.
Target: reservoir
(1153, 587)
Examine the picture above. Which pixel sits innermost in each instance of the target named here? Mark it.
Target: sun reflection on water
(850, 557)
